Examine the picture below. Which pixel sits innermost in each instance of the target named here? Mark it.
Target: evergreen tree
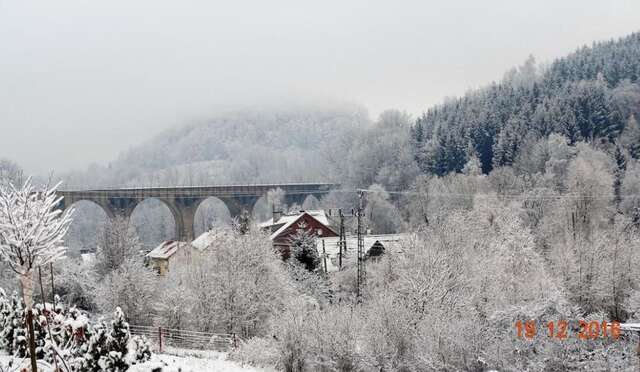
(118, 342)
(95, 352)
(303, 247)
(5, 312)
(13, 333)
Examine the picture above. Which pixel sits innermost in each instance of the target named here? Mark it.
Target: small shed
(161, 256)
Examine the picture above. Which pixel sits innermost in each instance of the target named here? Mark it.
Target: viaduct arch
(183, 202)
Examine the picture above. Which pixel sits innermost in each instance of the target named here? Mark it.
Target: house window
(319, 232)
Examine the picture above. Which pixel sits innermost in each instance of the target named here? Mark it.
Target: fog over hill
(293, 144)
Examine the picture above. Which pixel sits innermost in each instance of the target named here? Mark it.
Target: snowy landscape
(332, 187)
(172, 363)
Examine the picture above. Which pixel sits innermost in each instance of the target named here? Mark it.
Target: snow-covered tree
(310, 283)
(590, 182)
(117, 243)
(118, 343)
(132, 287)
(238, 280)
(630, 193)
(75, 282)
(95, 350)
(303, 247)
(32, 229)
(630, 137)
(382, 217)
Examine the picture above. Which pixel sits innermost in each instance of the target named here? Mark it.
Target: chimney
(276, 214)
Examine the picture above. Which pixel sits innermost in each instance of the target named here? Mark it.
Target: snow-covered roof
(88, 257)
(391, 243)
(319, 215)
(204, 240)
(289, 220)
(166, 249)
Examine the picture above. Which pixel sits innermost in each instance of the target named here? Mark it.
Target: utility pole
(343, 240)
(324, 258)
(342, 235)
(361, 277)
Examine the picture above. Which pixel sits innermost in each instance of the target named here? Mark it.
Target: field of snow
(172, 363)
(185, 362)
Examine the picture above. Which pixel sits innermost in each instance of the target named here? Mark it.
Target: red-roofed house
(283, 227)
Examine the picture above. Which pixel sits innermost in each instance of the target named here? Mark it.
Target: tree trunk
(32, 341)
(26, 280)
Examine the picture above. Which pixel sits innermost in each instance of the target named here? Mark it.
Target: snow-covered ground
(172, 363)
(183, 362)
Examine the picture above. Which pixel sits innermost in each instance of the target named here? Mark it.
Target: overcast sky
(82, 80)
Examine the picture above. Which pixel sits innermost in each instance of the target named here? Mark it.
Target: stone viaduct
(184, 201)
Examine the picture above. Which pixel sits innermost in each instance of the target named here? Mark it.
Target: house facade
(283, 227)
(161, 257)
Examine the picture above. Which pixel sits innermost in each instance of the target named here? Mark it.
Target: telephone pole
(342, 234)
(361, 276)
(343, 240)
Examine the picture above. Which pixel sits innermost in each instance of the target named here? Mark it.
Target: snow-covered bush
(75, 283)
(294, 345)
(139, 350)
(335, 338)
(259, 352)
(312, 284)
(235, 285)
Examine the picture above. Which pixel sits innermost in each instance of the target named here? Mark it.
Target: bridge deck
(213, 190)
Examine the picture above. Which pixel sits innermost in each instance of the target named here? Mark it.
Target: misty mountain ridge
(244, 146)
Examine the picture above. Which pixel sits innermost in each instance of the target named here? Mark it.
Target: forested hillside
(591, 95)
(246, 146)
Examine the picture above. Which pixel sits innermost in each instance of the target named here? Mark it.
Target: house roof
(203, 241)
(89, 257)
(319, 216)
(166, 249)
(207, 238)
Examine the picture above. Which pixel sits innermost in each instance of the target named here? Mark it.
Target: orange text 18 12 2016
(563, 329)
